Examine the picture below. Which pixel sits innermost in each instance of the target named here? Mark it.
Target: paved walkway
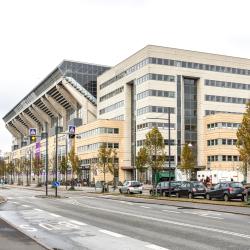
(11, 238)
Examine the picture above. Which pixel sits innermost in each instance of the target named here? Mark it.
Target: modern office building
(198, 89)
(204, 93)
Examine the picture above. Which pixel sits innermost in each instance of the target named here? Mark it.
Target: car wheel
(190, 196)
(243, 198)
(120, 191)
(208, 197)
(128, 192)
(151, 192)
(226, 198)
(140, 192)
(177, 195)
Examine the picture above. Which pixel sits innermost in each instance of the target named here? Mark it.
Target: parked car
(131, 187)
(191, 189)
(162, 188)
(226, 191)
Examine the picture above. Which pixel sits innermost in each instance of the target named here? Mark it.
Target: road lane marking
(111, 233)
(25, 206)
(144, 207)
(171, 211)
(171, 222)
(39, 210)
(128, 203)
(187, 212)
(55, 215)
(212, 217)
(15, 202)
(78, 222)
(155, 247)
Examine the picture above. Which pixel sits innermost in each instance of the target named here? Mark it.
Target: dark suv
(191, 189)
(226, 191)
(162, 188)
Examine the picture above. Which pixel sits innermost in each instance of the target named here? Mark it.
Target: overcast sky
(35, 36)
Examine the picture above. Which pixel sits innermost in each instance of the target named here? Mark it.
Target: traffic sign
(56, 184)
(72, 131)
(32, 131)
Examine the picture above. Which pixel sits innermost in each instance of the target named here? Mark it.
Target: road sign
(72, 131)
(32, 131)
(56, 184)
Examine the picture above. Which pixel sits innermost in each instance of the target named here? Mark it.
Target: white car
(131, 187)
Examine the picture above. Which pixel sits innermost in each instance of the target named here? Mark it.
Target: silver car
(131, 187)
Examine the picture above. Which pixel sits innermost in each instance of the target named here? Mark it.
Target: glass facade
(84, 74)
(190, 111)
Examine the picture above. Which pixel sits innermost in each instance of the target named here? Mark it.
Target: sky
(35, 36)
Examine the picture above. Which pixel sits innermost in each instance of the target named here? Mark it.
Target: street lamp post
(56, 156)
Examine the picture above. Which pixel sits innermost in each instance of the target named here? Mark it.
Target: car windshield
(174, 184)
(135, 184)
(198, 185)
(236, 185)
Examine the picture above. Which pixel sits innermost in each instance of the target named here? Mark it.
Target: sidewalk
(11, 238)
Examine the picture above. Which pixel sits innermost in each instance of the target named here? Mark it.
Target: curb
(33, 238)
(181, 206)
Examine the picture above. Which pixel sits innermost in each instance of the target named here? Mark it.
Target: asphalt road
(85, 222)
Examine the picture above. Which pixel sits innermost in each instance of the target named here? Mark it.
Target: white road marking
(10, 198)
(128, 203)
(155, 247)
(212, 217)
(55, 215)
(181, 224)
(28, 228)
(39, 210)
(144, 207)
(25, 206)
(187, 212)
(171, 211)
(15, 202)
(78, 222)
(111, 233)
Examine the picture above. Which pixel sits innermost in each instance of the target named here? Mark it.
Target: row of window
(118, 118)
(155, 109)
(227, 99)
(140, 143)
(149, 125)
(176, 63)
(98, 131)
(212, 112)
(222, 84)
(111, 107)
(111, 94)
(223, 125)
(96, 146)
(124, 73)
(200, 66)
(211, 158)
(90, 161)
(221, 141)
(154, 92)
(156, 77)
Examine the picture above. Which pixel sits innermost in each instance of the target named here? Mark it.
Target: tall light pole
(56, 156)
(47, 159)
